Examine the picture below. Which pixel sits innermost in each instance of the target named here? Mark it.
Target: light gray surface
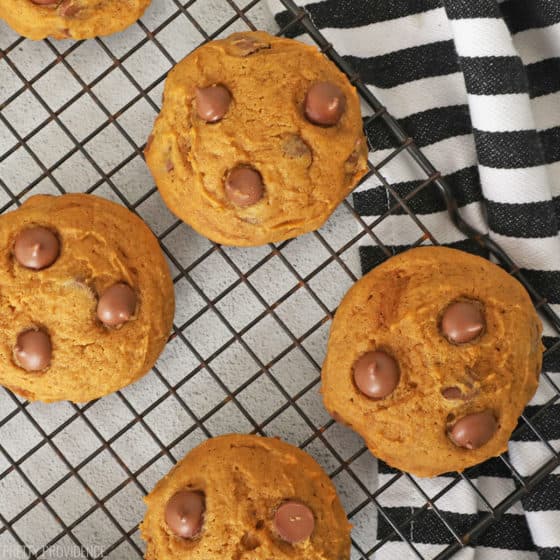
(129, 450)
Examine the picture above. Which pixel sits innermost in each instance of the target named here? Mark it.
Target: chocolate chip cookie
(432, 357)
(259, 139)
(240, 496)
(86, 298)
(70, 19)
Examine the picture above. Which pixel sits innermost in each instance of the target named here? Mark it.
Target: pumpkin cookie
(70, 19)
(86, 299)
(432, 358)
(240, 496)
(259, 139)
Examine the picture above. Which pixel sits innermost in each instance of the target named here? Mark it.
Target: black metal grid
(240, 18)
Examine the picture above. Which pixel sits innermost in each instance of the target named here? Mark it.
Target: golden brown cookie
(74, 19)
(245, 497)
(432, 357)
(86, 299)
(259, 139)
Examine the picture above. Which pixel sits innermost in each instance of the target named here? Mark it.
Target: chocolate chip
(33, 350)
(463, 321)
(117, 305)
(244, 186)
(474, 430)
(68, 8)
(50, 3)
(36, 248)
(184, 513)
(294, 522)
(212, 103)
(295, 147)
(248, 45)
(376, 374)
(325, 104)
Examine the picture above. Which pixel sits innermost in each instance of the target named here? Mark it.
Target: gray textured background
(57, 157)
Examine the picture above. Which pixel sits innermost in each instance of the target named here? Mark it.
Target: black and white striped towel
(477, 84)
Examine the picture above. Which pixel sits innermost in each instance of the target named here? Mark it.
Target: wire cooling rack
(251, 325)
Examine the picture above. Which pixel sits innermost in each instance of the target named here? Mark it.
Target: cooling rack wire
(251, 324)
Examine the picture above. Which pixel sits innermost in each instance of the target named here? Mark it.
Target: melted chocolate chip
(33, 350)
(351, 164)
(184, 513)
(376, 374)
(463, 321)
(117, 305)
(68, 8)
(50, 3)
(325, 104)
(36, 248)
(294, 522)
(452, 393)
(246, 46)
(149, 143)
(250, 541)
(474, 430)
(212, 103)
(244, 186)
(295, 147)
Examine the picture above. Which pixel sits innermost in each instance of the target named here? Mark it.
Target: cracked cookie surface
(86, 298)
(245, 484)
(70, 19)
(432, 358)
(259, 139)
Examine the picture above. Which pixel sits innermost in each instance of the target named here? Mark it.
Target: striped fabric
(477, 84)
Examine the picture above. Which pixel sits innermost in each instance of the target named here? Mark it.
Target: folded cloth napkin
(477, 84)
